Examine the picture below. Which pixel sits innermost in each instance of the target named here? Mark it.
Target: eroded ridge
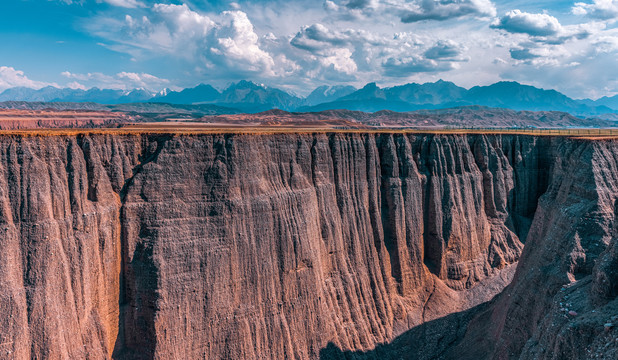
(259, 246)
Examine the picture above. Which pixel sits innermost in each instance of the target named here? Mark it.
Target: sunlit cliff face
(230, 245)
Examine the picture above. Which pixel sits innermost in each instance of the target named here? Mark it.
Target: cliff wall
(563, 301)
(275, 246)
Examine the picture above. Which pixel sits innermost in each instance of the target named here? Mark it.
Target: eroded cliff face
(275, 246)
(563, 301)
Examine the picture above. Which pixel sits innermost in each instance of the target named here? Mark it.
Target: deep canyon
(308, 246)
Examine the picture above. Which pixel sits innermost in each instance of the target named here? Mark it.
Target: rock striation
(12, 119)
(565, 287)
(287, 245)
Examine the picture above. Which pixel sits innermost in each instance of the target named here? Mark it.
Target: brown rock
(275, 246)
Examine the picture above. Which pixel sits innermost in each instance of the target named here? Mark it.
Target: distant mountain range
(249, 97)
(610, 102)
(443, 94)
(54, 94)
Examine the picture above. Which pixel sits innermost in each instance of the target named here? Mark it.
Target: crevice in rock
(388, 158)
(147, 156)
(432, 247)
(142, 253)
(84, 146)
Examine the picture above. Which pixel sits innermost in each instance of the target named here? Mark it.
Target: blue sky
(570, 46)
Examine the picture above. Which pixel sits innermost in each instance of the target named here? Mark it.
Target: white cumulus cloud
(350, 51)
(445, 9)
(226, 41)
(11, 77)
(238, 43)
(125, 3)
(415, 10)
(544, 28)
(318, 36)
(340, 60)
(446, 49)
(516, 21)
(408, 65)
(599, 9)
(76, 86)
(122, 80)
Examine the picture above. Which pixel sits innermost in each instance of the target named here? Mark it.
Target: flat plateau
(190, 128)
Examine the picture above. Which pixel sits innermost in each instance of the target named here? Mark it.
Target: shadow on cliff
(138, 304)
(139, 275)
(436, 339)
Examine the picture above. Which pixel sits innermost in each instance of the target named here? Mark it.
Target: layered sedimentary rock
(49, 118)
(284, 245)
(563, 300)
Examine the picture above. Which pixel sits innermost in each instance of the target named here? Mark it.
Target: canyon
(312, 245)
